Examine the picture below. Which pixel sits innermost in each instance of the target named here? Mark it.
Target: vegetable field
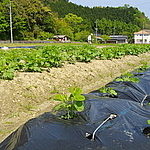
(28, 95)
(44, 58)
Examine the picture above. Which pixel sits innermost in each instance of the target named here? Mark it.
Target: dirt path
(28, 94)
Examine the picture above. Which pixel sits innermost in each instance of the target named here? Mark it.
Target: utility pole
(96, 29)
(10, 15)
(143, 34)
(114, 30)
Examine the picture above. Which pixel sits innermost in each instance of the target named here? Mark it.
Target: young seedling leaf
(60, 97)
(148, 121)
(79, 106)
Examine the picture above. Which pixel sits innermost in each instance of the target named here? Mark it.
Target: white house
(142, 37)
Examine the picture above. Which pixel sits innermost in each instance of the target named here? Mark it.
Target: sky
(142, 5)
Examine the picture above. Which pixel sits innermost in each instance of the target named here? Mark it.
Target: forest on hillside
(41, 19)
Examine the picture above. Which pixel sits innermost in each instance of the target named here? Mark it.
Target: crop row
(42, 58)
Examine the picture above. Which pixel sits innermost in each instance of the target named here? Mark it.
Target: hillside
(126, 13)
(41, 19)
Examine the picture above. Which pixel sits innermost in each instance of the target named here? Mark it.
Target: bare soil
(29, 94)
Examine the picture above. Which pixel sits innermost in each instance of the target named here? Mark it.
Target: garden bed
(114, 117)
(29, 93)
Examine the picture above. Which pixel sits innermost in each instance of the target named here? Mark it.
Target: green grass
(3, 132)
(28, 107)
(8, 123)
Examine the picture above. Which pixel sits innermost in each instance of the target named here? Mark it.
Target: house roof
(118, 37)
(143, 32)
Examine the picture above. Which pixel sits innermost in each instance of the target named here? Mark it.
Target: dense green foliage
(125, 14)
(41, 19)
(109, 27)
(30, 19)
(70, 104)
(44, 58)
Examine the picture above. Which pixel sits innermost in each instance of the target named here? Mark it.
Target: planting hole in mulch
(146, 131)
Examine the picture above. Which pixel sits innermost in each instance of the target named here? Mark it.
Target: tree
(3, 25)
(105, 38)
(38, 18)
(108, 27)
(4, 20)
(74, 21)
(62, 27)
(34, 17)
(82, 36)
(105, 26)
(126, 14)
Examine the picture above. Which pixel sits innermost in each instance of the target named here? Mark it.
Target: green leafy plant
(7, 74)
(108, 90)
(143, 68)
(128, 77)
(70, 104)
(46, 57)
(148, 121)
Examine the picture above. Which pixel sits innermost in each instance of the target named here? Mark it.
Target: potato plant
(70, 104)
(42, 58)
(128, 77)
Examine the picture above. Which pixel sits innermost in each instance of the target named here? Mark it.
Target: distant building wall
(142, 37)
(122, 39)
